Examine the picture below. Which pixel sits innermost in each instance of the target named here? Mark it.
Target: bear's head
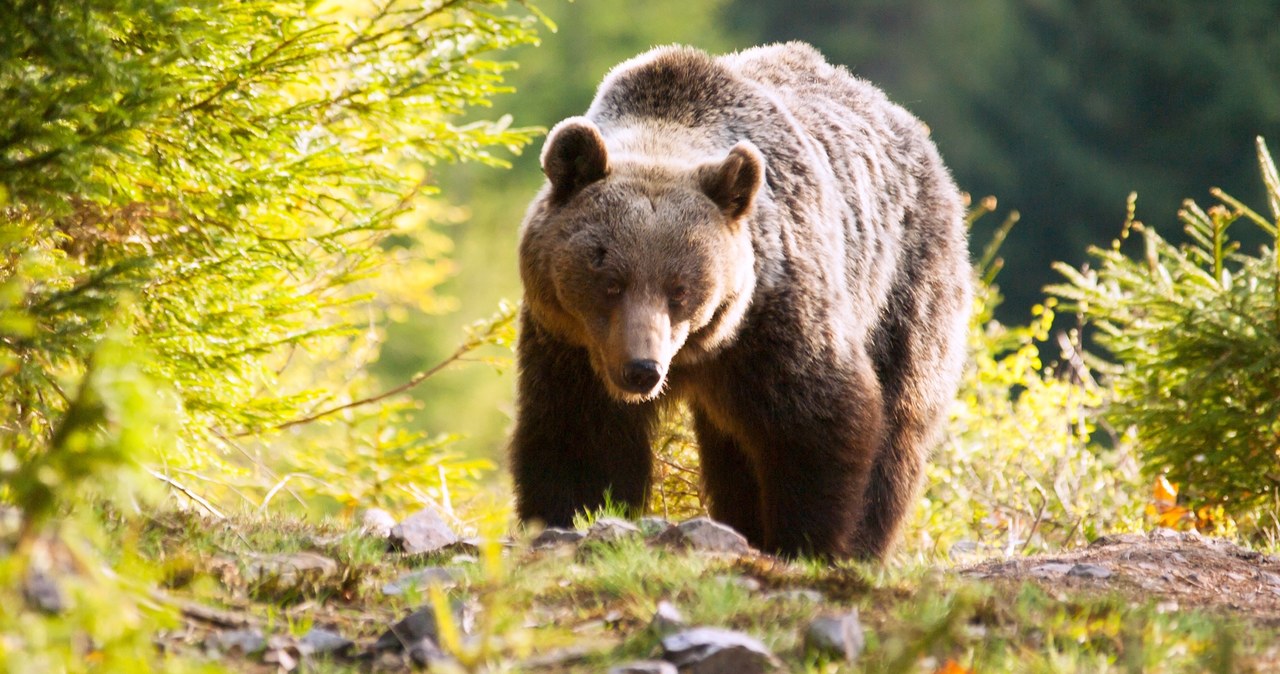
(644, 261)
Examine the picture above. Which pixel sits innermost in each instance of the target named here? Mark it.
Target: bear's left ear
(732, 183)
(574, 157)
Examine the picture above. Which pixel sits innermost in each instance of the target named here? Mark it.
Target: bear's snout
(641, 375)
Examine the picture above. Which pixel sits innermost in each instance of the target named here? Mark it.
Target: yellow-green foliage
(1193, 333)
(231, 184)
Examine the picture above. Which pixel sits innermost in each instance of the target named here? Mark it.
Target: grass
(594, 604)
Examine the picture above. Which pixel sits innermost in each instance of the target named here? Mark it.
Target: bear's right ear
(573, 157)
(733, 182)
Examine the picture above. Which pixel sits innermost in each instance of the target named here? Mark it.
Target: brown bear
(768, 238)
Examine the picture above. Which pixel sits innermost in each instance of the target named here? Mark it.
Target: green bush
(232, 184)
(1019, 468)
(1192, 338)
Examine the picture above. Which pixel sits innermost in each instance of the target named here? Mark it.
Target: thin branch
(188, 493)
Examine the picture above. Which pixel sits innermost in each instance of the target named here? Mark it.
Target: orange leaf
(953, 667)
(1164, 492)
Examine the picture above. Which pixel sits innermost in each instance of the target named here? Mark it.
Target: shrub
(230, 184)
(1191, 335)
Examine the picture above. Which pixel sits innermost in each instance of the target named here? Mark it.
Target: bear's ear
(732, 183)
(573, 157)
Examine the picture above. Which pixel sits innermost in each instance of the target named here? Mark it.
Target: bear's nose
(640, 376)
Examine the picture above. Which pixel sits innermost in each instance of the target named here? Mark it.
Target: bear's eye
(678, 296)
(597, 257)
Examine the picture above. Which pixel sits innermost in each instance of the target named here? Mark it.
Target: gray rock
(666, 619)
(1051, 570)
(1089, 571)
(710, 650)
(376, 522)
(706, 535)
(653, 526)
(553, 536)
(291, 567)
(421, 624)
(610, 529)
(420, 579)
(283, 652)
(43, 594)
(246, 641)
(838, 636)
(422, 532)
(320, 641)
(645, 667)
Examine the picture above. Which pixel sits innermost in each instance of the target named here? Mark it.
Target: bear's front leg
(814, 436)
(573, 443)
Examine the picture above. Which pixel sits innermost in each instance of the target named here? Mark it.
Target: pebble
(839, 636)
(376, 522)
(290, 567)
(246, 641)
(320, 641)
(422, 532)
(610, 529)
(667, 619)
(1089, 571)
(710, 650)
(706, 535)
(420, 579)
(553, 536)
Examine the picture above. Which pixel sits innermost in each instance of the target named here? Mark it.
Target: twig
(417, 379)
(205, 614)
(188, 493)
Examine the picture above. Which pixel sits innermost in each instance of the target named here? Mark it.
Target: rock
(246, 641)
(1051, 570)
(420, 579)
(320, 641)
(421, 624)
(745, 582)
(610, 529)
(43, 594)
(645, 667)
(706, 535)
(838, 636)
(710, 650)
(424, 652)
(422, 532)
(282, 652)
(553, 536)
(1116, 539)
(666, 619)
(1089, 571)
(377, 522)
(291, 567)
(653, 526)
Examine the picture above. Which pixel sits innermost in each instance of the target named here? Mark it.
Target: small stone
(706, 535)
(1116, 539)
(246, 641)
(745, 582)
(291, 567)
(283, 652)
(653, 526)
(610, 529)
(43, 594)
(320, 641)
(1164, 534)
(421, 579)
(710, 650)
(839, 636)
(666, 619)
(1089, 571)
(421, 624)
(645, 667)
(424, 652)
(376, 522)
(422, 532)
(1051, 569)
(553, 536)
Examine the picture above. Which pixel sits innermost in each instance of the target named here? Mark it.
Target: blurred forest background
(1059, 109)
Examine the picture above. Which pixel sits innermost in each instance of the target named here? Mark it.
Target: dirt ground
(1179, 570)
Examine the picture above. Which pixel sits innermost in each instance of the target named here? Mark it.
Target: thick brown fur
(770, 239)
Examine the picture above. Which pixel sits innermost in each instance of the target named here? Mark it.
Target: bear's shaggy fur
(770, 239)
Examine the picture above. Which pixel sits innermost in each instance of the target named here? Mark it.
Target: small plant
(1191, 334)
